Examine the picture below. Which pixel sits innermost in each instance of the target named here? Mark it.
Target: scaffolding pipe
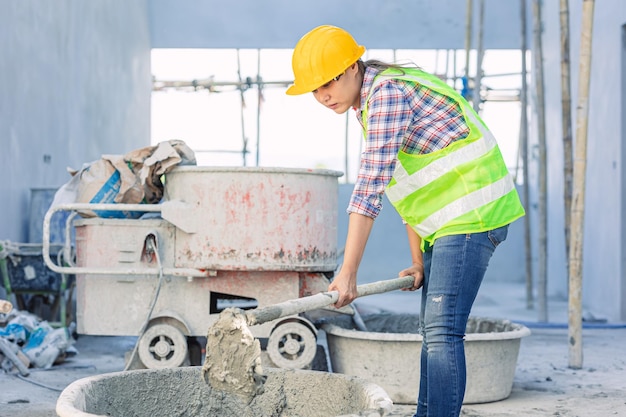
(524, 147)
(479, 58)
(346, 177)
(210, 84)
(454, 64)
(468, 45)
(244, 139)
(578, 202)
(542, 280)
(259, 83)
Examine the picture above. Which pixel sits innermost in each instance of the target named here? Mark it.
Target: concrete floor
(543, 385)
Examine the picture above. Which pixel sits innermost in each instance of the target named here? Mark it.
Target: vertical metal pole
(542, 283)
(437, 51)
(468, 45)
(566, 119)
(578, 202)
(259, 85)
(479, 58)
(346, 163)
(244, 149)
(447, 65)
(530, 299)
(454, 63)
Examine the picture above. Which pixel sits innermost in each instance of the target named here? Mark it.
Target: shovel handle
(323, 299)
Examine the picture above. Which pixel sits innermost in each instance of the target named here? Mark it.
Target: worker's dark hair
(381, 66)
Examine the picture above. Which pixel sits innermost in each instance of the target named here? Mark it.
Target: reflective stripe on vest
(474, 190)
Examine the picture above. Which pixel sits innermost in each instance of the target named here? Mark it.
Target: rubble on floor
(27, 341)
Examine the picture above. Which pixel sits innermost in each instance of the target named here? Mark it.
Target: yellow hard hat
(321, 55)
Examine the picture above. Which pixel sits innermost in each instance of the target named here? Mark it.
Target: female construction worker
(441, 169)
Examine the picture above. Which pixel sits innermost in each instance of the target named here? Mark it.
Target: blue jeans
(454, 268)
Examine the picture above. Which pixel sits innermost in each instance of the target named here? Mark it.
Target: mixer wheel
(292, 345)
(162, 346)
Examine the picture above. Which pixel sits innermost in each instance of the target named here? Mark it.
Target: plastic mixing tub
(388, 354)
(182, 392)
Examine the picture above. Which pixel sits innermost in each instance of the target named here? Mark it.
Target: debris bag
(44, 353)
(37, 337)
(149, 165)
(24, 318)
(15, 333)
(133, 178)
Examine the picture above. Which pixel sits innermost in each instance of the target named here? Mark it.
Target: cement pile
(233, 357)
(237, 384)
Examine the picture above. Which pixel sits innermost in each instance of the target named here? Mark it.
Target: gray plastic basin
(182, 392)
(388, 354)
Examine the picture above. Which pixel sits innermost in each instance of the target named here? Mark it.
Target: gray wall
(604, 276)
(400, 24)
(75, 83)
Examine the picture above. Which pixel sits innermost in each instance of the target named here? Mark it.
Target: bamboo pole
(578, 201)
(542, 279)
(566, 109)
(530, 299)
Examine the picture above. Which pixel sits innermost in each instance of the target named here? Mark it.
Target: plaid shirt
(402, 116)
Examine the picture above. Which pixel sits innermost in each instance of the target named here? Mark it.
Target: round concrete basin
(183, 392)
(388, 354)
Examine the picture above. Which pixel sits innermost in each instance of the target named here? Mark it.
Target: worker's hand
(345, 284)
(417, 271)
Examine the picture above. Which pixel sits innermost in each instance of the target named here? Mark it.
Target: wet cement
(233, 357)
(409, 324)
(232, 366)
(182, 392)
(236, 382)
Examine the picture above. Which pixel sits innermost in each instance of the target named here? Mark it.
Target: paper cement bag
(149, 164)
(133, 178)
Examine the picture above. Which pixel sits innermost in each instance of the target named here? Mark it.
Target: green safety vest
(463, 188)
